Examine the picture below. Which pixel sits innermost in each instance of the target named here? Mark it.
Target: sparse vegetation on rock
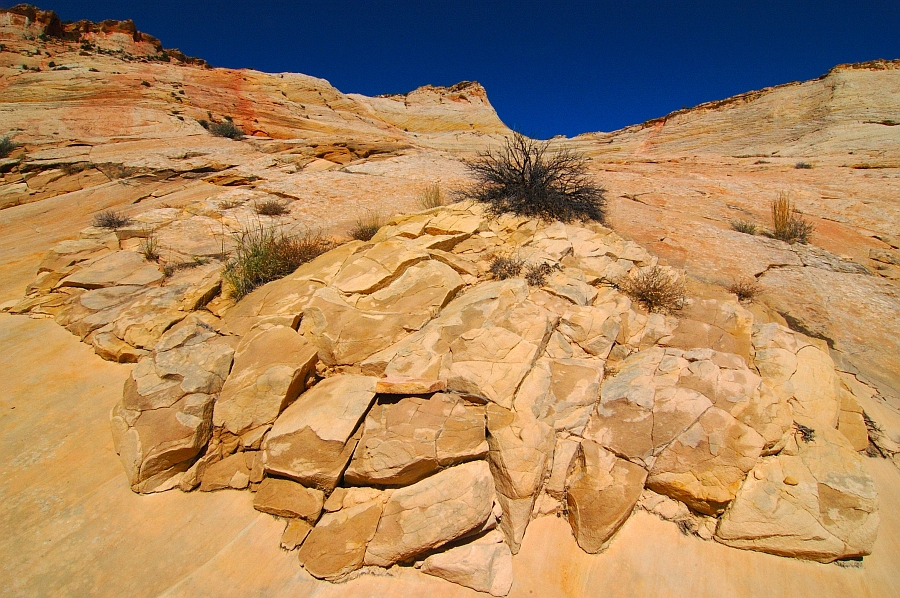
(265, 254)
(525, 178)
(503, 267)
(788, 224)
(150, 248)
(803, 165)
(223, 129)
(744, 226)
(655, 288)
(366, 226)
(746, 289)
(536, 274)
(431, 197)
(271, 207)
(111, 219)
(7, 146)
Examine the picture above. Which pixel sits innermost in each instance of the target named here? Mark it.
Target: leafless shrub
(789, 225)
(366, 226)
(806, 434)
(224, 129)
(7, 146)
(505, 267)
(536, 274)
(263, 254)
(803, 165)
(271, 207)
(111, 219)
(523, 179)
(654, 288)
(744, 226)
(746, 289)
(431, 197)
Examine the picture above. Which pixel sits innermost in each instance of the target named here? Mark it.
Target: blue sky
(549, 67)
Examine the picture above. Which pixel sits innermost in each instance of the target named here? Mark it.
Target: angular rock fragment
(602, 492)
(484, 565)
(561, 392)
(285, 498)
(490, 363)
(430, 513)
(271, 369)
(313, 439)
(705, 465)
(231, 472)
(295, 532)
(114, 269)
(375, 268)
(406, 385)
(405, 441)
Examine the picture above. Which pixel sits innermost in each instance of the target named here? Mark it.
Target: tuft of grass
(150, 248)
(225, 129)
(803, 165)
(271, 207)
(505, 267)
(431, 197)
(523, 178)
(536, 274)
(744, 226)
(7, 146)
(111, 219)
(789, 225)
(366, 226)
(263, 254)
(746, 289)
(654, 288)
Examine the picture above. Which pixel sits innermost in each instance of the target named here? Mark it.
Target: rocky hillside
(398, 407)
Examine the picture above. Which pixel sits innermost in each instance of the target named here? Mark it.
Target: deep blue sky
(549, 67)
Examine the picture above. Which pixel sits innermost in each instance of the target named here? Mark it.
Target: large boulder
(404, 441)
(601, 494)
(165, 417)
(313, 439)
(815, 500)
(431, 513)
(271, 369)
(561, 392)
(705, 465)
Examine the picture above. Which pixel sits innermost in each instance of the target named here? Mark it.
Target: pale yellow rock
(271, 369)
(561, 392)
(423, 287)
(490, 363)
(851, 422)
(484, 564)
(117, 268)
(521, 447)
(405, 385)
(705, 465)
(312, 440)
(430, 513)
(375, 268)
(295, 533)
(601, 493)
(406, 441)
(337, 544)
(594, 329)
(816, 387)
(814, 501)
(231, 472)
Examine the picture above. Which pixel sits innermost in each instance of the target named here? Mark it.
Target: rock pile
(398, 406)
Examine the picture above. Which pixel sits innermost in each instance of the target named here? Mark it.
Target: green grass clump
(744, 226)
(7, 146)
(263, 254)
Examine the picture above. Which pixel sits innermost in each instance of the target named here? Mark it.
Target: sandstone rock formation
(390, 399)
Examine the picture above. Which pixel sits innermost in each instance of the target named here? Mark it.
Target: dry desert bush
(746, 289)
(505, 267)
(536, 274)
(7, 146)
(111, 219)
(654, 288)
(366, 226)
(271, 207)
(744, 226)
(523, 178)
(431, 197)
(263, 254)
(788, 224)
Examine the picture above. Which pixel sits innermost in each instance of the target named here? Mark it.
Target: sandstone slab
(484, 565)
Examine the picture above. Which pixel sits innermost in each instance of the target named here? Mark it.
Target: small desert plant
(271, 207)
(806, 434)
(7, 146)
(744, 226)
(803, 165)
(524, 179)
(789, 225)
(366, 226)
(229, 204)
(225, 129)
(654, 288)
(502, 267)
(145, 84)
(746, 289)
(431, 197)
(536, 274)
(150, 248)
(263, 254)
(111, 219)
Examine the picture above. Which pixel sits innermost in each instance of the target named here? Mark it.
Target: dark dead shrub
(7, 146)
(366, 226)
(536, 274)
(744, 226)
(271, 207)
(505, 267)
(111, 219)
(803, 165)
(523, 178)
(226, 129)
(746, 289)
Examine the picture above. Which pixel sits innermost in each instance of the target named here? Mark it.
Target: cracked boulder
(313, 439)
(407, 440)
(485, 565)
(815, 500)
(165, 417)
